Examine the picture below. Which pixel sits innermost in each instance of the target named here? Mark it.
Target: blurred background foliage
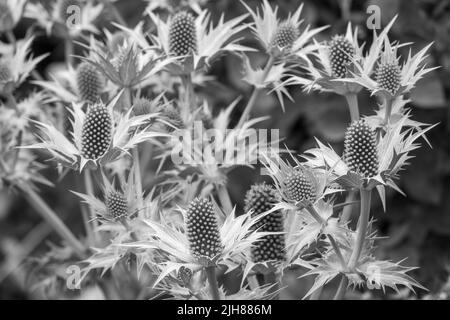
(418, 225)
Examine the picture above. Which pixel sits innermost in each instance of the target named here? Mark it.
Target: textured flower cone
(182, 34)
(285, 36)
(361, 149)
(5, 73)
(184, 275)
(388, 77)
(96, 133)
(261, 198)
(299, 187)
(89, 82)
(173, 117)
(116, 204)
(66, 8)
(202, 229)
(341, 50)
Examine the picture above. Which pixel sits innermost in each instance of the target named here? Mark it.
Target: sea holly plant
(148, 155)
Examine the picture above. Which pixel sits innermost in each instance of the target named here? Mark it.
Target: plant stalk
(387, 115)
(340, 293)
(361, 231)
(68, 49)
(224, 197)
(52, 219)
(212, 280)
(352, 101)
(254, 96)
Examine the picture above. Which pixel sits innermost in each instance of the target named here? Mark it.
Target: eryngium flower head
(117, 205)
(298, 187)
(89, 82)
(182, 34)
(388, 77)
(361, 149)
(96, 132)
(341, 52)
(202, 229)
(174, 118)
(285, 36)
(261, 198)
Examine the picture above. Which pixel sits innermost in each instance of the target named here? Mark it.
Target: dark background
(418, 225)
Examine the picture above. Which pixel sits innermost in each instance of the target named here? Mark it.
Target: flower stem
(337, 250)
(137, 175)
(89, 186)
(271, 279)
(52, 219)
(252, 101)
(212, 280)
(68, 49)
(388, 106)
(224, 197)
(315, 214)
(347, 211)
(361, 231)
(352, 101)
(340, 293)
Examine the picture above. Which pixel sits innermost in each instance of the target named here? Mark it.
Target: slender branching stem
(212, 280)
(224, 198)
(312, 211)
(342, 289)
(252, 101)
(337, 250)
(52, 219)
(348, 210)
(89, 186)
(272, 279)
(353, 107)
(316, 294)
(68, 49)
(388, 107)
(361, 231)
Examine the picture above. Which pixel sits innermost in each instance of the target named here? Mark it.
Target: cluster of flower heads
(107, 114)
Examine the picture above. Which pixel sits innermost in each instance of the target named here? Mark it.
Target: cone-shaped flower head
(341, 51)
(389, 77)
(182, 34)
(117, 205)
(361, 149)
(174, 117)
(89, 82)
(298, 187)
(286, 35)
(202, 229)
(261, 198)
(96, 132)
